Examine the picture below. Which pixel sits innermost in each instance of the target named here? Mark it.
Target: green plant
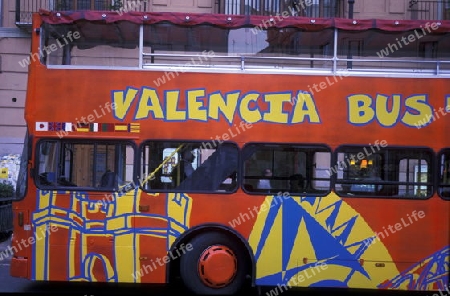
(6, 190)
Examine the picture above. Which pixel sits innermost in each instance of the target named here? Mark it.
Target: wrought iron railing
(323, 8)
(25, 8)
(429, 10)
(416, 9)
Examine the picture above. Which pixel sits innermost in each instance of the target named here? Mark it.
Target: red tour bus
(225, 151)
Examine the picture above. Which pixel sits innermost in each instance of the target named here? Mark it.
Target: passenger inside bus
(296, 183)
(206, 169)
(265, 183)
(184, 168)
(108, 179)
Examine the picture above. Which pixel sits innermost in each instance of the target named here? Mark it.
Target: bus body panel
(322, 240)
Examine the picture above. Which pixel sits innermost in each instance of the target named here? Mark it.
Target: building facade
(15, 23)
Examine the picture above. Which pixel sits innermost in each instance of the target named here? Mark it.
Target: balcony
(323, 8)
(429, 10)
(415, 9)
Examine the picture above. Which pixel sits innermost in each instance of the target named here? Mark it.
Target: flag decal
(95, 127)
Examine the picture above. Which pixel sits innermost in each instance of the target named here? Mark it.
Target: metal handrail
(242, 61)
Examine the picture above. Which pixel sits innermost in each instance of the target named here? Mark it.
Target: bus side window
(296, 169)
(444, 174)
(394, 172)
(189, 166)
(47, 163)
(86, 164)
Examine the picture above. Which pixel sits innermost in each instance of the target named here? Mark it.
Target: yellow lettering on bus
(196, 108)
(275, 112)
(385, 117)
(149, 102)
(226, 105)
(305, 106)
(172, 113)
(359, 109)
(122, 101)
(248, 115)
(423, 112)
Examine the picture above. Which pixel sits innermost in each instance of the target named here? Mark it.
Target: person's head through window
(187, 159)
(265, 183)
(184, 168)
(108, 179)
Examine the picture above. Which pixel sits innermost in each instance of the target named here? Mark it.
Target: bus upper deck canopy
(237, 21)
(245, 42)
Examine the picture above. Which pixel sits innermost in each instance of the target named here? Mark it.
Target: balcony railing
(429, 10)
(323, 8)
(25, 8)
(416, 9)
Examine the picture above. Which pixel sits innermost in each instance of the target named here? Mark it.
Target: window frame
(139, 165)
(439, 184)
(321, 148)
(82, 141)
(433, 166)
(391, 148)
(25, 173)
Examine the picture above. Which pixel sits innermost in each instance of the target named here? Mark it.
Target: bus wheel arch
(210, 245)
